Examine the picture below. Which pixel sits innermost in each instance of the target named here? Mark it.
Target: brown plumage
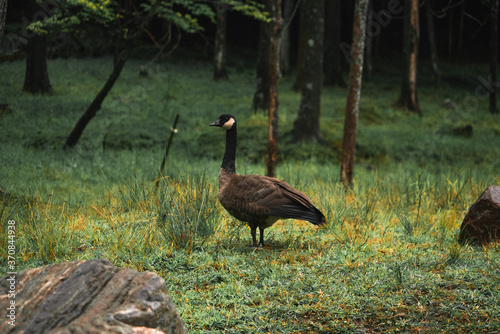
(258, 200)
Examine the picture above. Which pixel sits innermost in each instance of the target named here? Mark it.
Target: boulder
(87, 297)
(481, 224)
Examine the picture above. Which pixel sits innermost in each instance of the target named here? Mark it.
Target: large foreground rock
(482, 222)
(88, 297)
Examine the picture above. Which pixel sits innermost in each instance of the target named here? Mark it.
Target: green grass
(387, 261)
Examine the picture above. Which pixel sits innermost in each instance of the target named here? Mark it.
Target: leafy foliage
(67, 15)
(127, 18)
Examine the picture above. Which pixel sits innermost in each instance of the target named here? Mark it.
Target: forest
(383, 112)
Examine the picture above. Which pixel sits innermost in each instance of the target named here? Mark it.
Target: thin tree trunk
(378, 37)
(3, 15)
(461, 26)
(432, 42)
(354, 94)
(333, 66)
(169, 143)
(494, 56)
(36, 80)
(274, 58)
(408, 97)
(285, 38)
(367, 67)
(450, 32)
(306, 126)
(220, 72)
(301, 52)
(96, 104)
(261, 95)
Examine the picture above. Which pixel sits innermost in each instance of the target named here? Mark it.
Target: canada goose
(258, 200)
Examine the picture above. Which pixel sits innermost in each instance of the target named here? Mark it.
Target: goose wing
(261, 196)
(297, 205)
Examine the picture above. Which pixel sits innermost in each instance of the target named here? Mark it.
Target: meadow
(387, 260)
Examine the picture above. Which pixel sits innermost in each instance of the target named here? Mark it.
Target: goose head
(225, 121)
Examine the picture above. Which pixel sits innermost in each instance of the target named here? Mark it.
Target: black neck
(230, 154)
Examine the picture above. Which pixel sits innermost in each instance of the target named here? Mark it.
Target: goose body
(258, 200)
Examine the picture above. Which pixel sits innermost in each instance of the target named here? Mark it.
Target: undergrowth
(386, 261)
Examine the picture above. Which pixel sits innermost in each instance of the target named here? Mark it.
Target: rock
(482, 223)
(89, 297)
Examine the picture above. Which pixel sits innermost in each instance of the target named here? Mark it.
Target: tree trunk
(494, 56)
(288, 6)
(367, 67)
(36, 80)
(432, 42)
(306, 126)
(450, 31)
(408, 97)
(220, 72)
(333, 66)
(274, 58)
(301, 51)
(3, 15)
(354, 94)
(261, 95)
(96, 104)
(377, 40)
(461, 26)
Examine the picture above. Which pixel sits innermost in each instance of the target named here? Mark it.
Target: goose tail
(312, 215)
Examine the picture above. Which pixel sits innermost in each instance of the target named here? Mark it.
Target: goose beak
(216, 123)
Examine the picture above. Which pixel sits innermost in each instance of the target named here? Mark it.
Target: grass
(387, 261)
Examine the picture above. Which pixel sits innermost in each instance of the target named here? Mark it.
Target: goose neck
(228, 163)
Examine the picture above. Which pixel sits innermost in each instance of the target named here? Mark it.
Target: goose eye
(228, 124)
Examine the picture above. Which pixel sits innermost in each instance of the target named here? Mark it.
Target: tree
(36, 80)
(354, 95)
(333, 66)
(274, 59)
(220, 72)
(96, 104)
(129, 22)
(125, 22)
(432, 42)
(451, 14)
(461, 25)
(493, 56)
(408, 97)
(288, 6)
(367, 64)
(3, 15)
(301, 51)
(261, 97)
(306, 126)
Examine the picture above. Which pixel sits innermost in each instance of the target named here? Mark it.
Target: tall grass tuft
(48, 235)
(399, 272)
(358, 217)
(409, 214)
(8, 212)
(187, 214)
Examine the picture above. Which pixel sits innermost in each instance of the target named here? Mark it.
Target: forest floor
(387, 260)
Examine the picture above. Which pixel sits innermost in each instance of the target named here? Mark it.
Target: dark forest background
(461, 26)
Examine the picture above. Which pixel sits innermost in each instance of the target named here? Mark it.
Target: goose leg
(253, 230)
(261, 230)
